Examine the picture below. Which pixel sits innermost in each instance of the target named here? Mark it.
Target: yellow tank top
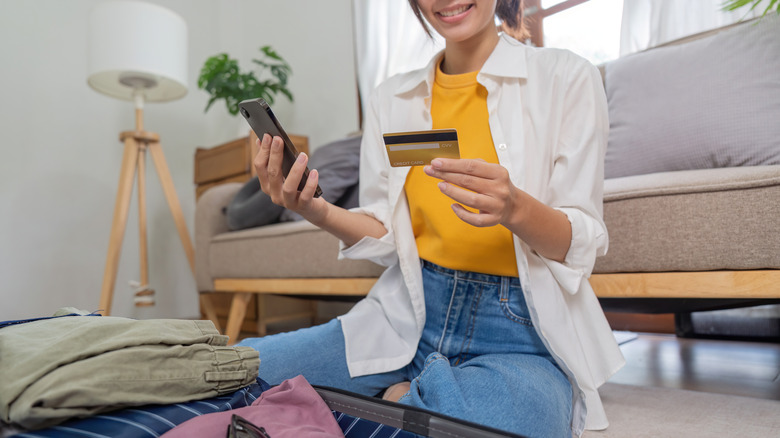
(459, 102)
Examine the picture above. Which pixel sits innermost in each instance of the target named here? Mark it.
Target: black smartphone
(262, 120)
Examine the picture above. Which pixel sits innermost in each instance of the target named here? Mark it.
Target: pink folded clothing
(292, 409)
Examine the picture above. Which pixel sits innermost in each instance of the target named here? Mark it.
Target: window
(590, 28)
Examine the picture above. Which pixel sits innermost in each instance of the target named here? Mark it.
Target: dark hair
(510, 12)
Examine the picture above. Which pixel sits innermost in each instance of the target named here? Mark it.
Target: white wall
(60, 154)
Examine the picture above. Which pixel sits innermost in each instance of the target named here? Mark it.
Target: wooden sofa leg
(313, 305)
(208, 309)
(262, 325)
(236, 316)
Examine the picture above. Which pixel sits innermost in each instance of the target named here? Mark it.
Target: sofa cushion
(712, 102)
(693, 221)
(284, 250)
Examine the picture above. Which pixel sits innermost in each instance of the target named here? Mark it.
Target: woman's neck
(469, 55)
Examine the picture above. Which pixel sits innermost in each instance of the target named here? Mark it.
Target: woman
(484, 311)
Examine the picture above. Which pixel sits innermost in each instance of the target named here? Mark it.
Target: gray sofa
(691, 202)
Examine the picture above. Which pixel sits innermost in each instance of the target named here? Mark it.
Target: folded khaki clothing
(77, 366)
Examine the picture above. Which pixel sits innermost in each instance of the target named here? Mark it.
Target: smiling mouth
(455, 12)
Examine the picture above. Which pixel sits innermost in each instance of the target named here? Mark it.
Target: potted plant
(222, 78)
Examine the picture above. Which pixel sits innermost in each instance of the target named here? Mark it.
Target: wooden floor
(750, 369)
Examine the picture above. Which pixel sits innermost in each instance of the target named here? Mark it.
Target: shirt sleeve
(374, 181)
(577, 180)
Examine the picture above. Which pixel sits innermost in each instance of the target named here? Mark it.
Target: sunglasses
(240, 427)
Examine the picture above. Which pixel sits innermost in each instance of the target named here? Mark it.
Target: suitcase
(358, 416)
(361, 417)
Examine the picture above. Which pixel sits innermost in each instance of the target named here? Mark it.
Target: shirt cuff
(569, 278)
(380, 251)
(588, 240)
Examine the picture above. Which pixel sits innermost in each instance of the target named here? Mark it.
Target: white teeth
(460, 10)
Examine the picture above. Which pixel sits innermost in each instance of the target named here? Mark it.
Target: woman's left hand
(487, 188)
(477, 184)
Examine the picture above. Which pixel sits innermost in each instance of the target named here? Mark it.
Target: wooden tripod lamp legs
(173, 201)
(121, 208)
(136, 143)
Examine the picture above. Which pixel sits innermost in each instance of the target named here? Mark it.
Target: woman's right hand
(284, 191)
(346, 225)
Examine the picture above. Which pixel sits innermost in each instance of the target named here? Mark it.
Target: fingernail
(436, 163)
(301, 157)
(442, 185)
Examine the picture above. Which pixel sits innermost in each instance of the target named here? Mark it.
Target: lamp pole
(144, 294)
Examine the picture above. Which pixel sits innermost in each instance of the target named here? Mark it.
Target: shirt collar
(503, 62)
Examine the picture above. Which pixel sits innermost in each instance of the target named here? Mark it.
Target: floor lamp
(138, 52)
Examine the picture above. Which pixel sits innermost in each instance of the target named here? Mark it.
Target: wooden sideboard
(231, 161)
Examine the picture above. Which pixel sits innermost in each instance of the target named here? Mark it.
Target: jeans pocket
(512, 303)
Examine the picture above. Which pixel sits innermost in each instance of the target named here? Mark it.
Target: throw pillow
(713, 102)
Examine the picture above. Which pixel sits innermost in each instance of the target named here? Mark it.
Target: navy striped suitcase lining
(154, 421)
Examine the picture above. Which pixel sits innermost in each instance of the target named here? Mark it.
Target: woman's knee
(525, 395)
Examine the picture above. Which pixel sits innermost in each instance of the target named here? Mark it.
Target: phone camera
(244, 112)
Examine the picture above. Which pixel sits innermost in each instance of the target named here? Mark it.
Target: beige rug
(639, 412)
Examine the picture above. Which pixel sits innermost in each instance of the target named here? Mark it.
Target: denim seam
(417, 380)
(433, 357)
(504, 304)
(447, 316)
(511, 316)
(456, 275)
(464, 349)
(471, 280)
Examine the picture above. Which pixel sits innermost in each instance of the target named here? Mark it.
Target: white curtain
(648, 23)
(388, 40)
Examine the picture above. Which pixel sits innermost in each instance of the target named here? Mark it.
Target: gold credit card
(420, 147)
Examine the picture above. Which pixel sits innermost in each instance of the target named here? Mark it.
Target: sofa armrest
(210, 220)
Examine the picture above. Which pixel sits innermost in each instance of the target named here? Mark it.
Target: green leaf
(269, 52)
(733, 5)
(208, 105)
(287, 93)
(772, 3)
(730, 5)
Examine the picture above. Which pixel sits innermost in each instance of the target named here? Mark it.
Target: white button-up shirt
(548, 120)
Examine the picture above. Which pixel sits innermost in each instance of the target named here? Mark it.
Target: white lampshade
(137, 47)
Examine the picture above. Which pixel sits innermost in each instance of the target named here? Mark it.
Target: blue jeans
(479, 358)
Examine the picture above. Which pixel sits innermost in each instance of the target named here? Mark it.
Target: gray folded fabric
(56, 369)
